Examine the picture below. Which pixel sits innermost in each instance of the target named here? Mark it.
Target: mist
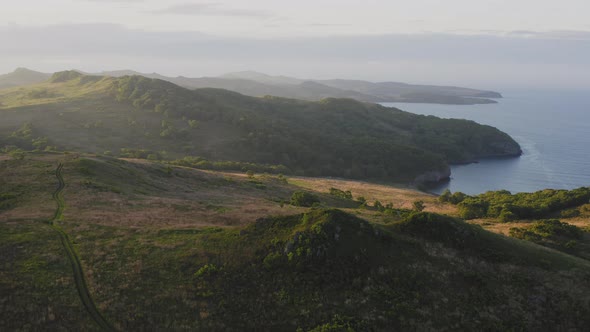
(488, 60)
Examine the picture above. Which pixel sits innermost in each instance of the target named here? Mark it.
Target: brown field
(187, 198)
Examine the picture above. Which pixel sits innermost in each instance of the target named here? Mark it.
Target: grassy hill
(174, 248)
(138, 116)
(259, 85)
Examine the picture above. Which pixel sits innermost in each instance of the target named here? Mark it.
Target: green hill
(333, 137)
(164, 248)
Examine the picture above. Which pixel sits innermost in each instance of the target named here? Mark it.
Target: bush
(377, 205)
(339, 193)
(445, 197)
(507, 215)
(418, 206)
(305, 199)
(206, 271)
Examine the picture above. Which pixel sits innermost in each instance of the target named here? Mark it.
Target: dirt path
(73, 257)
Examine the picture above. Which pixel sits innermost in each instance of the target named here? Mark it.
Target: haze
(488, 44)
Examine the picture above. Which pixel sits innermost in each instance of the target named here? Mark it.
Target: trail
(73, 257)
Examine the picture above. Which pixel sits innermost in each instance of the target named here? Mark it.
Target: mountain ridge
(258, 85)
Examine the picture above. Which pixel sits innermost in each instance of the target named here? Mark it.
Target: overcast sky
(483, 43)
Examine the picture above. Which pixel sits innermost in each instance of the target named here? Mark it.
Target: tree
(445, 197)
(379, 206)
(418, 206)
(305, 199)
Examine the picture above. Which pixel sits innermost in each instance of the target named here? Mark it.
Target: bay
(552, 127)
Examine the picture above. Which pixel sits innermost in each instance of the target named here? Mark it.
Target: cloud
(110, 1)
(329, 25)
(210, 9)
(535, 57)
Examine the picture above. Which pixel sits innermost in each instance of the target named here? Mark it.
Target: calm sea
(553, 129)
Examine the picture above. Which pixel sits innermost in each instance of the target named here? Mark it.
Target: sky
(485, 43)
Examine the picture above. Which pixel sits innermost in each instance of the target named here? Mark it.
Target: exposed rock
(434, 176)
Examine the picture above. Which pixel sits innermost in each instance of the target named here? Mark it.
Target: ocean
(552, 128)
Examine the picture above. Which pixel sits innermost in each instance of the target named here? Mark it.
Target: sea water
(552, 128)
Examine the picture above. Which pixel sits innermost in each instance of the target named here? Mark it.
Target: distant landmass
(258, 85)
(135, 116)
(22, 76)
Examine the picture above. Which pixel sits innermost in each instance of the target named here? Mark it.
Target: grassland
(174, 248)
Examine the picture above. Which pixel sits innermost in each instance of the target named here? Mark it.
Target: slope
(314, 269)
(333, 137)
(258, 84)
(22, 76)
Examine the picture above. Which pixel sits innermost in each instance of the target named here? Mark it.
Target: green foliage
(282, 179)
(139, 154)
(350, 139)
(206, 271)
(445, 197)
(340, 193)
(473, 207)
(455, 198)
(377, 205)
(25, 131)
(7, 200)
(506, 206)
(193, 123)
(65, 76)
(39, 94)
(506, 215)
(17, 154)
(551, 233)
(303, 198)
(418, 206)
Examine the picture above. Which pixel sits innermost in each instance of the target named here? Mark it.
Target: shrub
(379, 206)
(418, 206)
(507, 215)
(305, 199)
(206, 270)
(340, 193)
(445, 197)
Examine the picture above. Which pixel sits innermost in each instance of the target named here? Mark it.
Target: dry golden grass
(399, 196)
(189, 198)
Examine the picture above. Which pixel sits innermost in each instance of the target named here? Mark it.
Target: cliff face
(434, 176)
(506, 149)
(497, 149)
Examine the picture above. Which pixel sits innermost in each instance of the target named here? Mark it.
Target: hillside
(22, 76)
(164, 248)
(150, 118)
(259, 85)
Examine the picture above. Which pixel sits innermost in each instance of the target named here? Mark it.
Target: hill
(138, 116)
(22, 76)
(258, 84)
(164, 247)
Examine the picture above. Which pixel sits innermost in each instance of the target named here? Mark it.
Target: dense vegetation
(334, 137)
(315, 269)
(506, 206)
(555, 234)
